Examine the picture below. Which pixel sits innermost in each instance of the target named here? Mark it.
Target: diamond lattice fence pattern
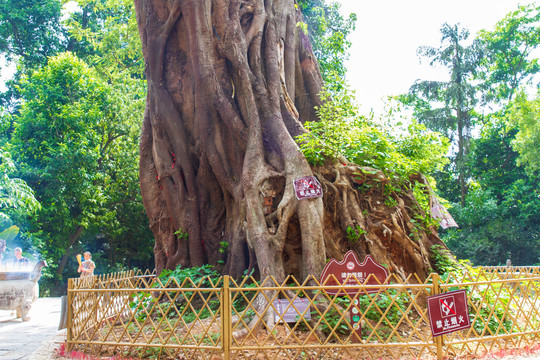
(139, 315)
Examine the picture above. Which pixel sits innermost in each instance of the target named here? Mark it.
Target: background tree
(499, 219)
(509, 60)
(74, 143)
(524, 115)
(492, 231)
(448, 106)
(104, 34)
(328, 32)
(30, 30)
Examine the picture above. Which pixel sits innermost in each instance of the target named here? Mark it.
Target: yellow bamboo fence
(141, 316)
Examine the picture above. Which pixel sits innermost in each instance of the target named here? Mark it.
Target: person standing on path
(87, 266)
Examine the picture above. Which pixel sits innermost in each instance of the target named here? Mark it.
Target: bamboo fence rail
(128, 314)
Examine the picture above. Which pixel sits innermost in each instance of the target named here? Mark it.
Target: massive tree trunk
(230, 84)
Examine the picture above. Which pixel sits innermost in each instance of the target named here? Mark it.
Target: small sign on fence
(448, 312)
(288, 311)
(354, 311)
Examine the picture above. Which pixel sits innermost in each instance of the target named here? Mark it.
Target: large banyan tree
(230, 85)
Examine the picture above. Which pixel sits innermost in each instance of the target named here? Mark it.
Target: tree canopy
(507, 53)
(30, 30)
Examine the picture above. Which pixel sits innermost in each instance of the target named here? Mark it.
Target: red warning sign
(307, 187)
(448, 312)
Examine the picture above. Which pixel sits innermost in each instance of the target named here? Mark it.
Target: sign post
(350, 274)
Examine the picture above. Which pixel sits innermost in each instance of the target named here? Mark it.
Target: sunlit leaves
(509, 59)
(396, 150)
(329, 34)
(108, 29)
(525, 115)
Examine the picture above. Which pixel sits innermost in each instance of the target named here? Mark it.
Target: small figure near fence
(87, 266)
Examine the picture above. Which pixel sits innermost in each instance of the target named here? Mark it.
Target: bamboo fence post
(438, 339)
(69, 333)
(226, 318)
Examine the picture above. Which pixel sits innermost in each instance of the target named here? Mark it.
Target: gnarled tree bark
(230, 84)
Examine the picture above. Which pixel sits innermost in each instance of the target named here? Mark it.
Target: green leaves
(76, 140)
(10, 233)
(108, 36)
(30, 30)
(377, 143)
(508, 59)
(492, 231)
(329, 34)
(15, 194)
(524, 115)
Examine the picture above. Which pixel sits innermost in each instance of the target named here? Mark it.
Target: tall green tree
(509, 59)
(448, 106)
(75, 141)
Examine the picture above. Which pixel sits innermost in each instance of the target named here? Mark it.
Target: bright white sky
(383, 58)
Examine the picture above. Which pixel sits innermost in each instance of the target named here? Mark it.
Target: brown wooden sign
(307, 187)
(448, 312)
(350, 273)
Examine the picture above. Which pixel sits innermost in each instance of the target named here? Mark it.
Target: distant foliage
(493, 231)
